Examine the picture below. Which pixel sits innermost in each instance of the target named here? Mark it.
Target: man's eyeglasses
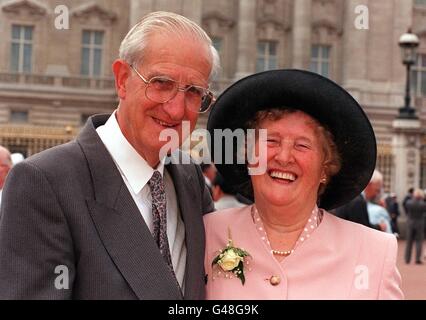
(162, 89)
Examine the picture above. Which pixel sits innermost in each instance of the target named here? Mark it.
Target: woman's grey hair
(418, 194)
(134, 45)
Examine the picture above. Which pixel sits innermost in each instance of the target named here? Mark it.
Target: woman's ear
(121, 70)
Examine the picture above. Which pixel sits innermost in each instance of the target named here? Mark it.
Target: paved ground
(413, 275)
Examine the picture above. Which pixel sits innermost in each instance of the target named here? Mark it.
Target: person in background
(209, 172)
(407, 197)
(392, 206)
(357, 210)
(5, 166)
(223, 194)
(416, 214)
(378, 215)
(424, 191)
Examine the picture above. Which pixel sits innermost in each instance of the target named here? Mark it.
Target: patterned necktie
(159, 216)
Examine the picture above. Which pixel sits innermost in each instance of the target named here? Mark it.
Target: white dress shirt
(377, 214)
(136, 173)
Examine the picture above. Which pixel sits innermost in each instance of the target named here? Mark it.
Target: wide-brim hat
(322, 99)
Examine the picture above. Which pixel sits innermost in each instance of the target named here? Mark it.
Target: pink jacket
(341, 260)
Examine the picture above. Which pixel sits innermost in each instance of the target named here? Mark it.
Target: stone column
(139, 8)
(246, 56)
(188, 8)
(355, 50)
(192, 9)
(301, 34)
(406, 151)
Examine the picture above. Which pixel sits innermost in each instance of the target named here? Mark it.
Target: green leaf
(241, 253)
(216, 260)
(241, 275)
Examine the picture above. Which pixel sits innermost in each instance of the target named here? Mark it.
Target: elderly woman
(320, 154)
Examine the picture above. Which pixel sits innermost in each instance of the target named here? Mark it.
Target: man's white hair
(134, 45)
(376, 177)
(418, 194)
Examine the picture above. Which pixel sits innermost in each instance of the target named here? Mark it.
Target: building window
(384, 164)
(21, 48)
(18, 116)
(418, 76)
(320, 60)
(91, 53)
(266, 56)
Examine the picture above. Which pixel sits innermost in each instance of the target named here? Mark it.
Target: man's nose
(175, 107)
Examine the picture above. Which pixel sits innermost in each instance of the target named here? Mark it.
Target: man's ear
(121, 72)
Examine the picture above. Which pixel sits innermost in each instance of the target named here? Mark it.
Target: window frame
(318, 61)
(418, 83)
(22, 42)
(266, 55)
(92, 47)
(19, 121)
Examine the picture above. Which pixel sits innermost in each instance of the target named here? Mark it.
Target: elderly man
(103, 217)
(358, 209)
(5, 166)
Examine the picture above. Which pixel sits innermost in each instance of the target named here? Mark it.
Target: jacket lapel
(187, 191)
(121, 226)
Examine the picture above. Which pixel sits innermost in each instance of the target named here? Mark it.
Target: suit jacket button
(275, 280)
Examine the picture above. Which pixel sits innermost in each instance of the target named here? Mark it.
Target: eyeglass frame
(184, 89)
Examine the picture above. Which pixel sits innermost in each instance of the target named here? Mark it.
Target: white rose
(229, 260)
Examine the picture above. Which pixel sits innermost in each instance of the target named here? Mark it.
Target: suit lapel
(121, 226)
(186, 190)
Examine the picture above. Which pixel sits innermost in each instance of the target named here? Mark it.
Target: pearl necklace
(274, 252)
(312, 223)
(282, 253)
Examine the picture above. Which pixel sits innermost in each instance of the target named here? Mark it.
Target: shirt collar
(132, 166)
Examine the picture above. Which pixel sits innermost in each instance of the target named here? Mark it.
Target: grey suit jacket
(416, 209)
(68, 209)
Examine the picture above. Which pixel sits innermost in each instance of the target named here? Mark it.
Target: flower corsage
(231, 259)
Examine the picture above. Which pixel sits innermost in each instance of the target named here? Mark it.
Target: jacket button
(275, 280)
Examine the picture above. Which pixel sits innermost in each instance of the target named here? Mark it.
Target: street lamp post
(407, 128)
(408, 43)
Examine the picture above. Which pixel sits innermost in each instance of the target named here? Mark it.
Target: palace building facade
(52, 78)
